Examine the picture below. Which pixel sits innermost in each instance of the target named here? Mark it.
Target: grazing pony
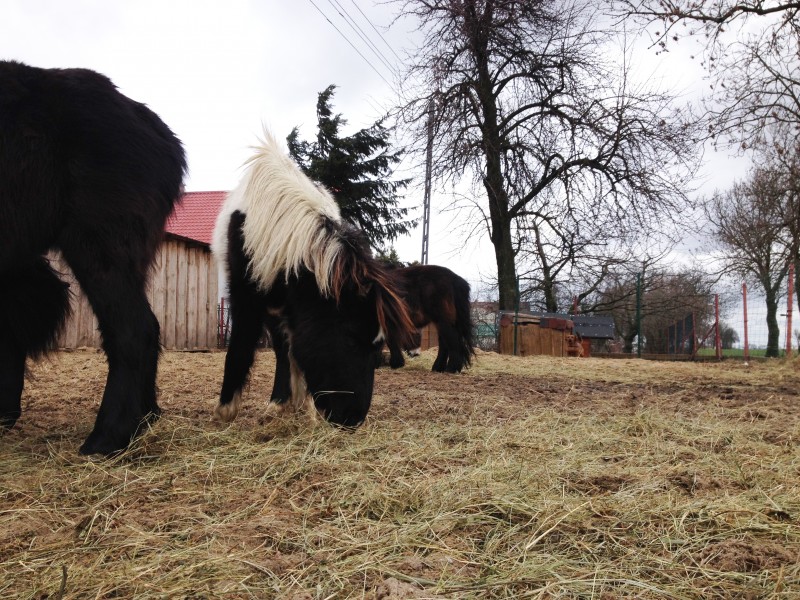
(295, 267)
(94, 174)
(437, 295)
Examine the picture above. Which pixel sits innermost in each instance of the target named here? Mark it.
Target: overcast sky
(215, 71)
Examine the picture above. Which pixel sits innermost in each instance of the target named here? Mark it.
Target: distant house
(183, 288)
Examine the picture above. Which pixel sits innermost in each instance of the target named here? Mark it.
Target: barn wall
(182, 293)
(429, 338)
(533, 340)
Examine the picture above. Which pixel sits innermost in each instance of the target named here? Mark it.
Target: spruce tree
(357, 170)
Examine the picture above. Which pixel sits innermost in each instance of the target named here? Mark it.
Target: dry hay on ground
(523, 477)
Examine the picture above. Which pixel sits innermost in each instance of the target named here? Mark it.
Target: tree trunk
(494, 179)
(504, 253)
(494, 183)
(773, 331)
(548, 283)
(628, 341)
(796, 259)
(549, 290)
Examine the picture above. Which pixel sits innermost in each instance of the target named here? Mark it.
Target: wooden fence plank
(182, 293)
(191, 299)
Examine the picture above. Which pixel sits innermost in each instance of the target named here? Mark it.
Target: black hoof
(7, 421)
(96, 444)
(153, 416)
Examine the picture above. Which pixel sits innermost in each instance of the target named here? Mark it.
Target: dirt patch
(747, 557)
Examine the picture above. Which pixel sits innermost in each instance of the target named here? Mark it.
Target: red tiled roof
(194, 217)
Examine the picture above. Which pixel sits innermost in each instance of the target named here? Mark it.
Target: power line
(360, 33)
(349, 42)
(380, 35)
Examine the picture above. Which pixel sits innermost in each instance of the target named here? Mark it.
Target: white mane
(284, 229)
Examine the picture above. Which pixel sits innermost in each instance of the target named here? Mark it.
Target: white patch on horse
(285, 225)
(219, 240)
(381, 337)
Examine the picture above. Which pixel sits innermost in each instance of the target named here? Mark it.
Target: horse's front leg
(248, 316)
(131, 341)
(396, 359)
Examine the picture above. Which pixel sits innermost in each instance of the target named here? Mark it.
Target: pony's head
(336, 340)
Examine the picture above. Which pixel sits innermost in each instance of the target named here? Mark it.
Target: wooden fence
(182, 292)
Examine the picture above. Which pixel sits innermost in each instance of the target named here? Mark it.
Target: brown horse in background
(436, 295)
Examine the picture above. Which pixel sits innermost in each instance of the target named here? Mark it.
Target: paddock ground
(527, 477)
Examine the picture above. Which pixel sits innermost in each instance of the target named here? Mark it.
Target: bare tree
(781, 156)
(665, 296)
(750, 227)
(523, 100)
(752, 51)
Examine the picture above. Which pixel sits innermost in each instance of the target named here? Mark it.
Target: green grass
(737, 352)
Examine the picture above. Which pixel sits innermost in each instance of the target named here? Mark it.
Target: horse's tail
(34, 306)
(466, 340)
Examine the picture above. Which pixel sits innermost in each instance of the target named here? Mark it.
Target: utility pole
(426, 201)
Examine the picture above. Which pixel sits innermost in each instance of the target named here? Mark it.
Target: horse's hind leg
(449, 358)
(34, 306)
(440, 364)
(114, 282)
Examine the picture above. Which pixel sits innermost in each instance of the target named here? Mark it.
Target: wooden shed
(183, 289)
(527, 335)
(553, 334)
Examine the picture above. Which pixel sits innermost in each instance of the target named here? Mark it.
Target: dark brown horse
(436, 295)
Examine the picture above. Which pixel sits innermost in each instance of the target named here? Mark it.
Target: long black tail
(464, 327)
(34, 306)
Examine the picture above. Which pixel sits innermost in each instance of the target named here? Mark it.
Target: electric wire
(351, 43)
(361, 34)
(380, 35)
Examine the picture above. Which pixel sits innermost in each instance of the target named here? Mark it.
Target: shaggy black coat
(91, 173)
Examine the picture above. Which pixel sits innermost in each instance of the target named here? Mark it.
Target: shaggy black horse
(93, 174)
(437, 295)
(295, 267)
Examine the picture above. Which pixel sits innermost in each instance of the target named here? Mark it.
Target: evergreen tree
(357, 171)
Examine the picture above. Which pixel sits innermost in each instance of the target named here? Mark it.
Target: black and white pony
(295, 267)
(94, 174)
(437, 295)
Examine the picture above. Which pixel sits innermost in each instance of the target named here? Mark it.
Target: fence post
(516, 319)
(639, 315)
(789, 302)
(744, 304)
(717, 336)
(221, 323)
